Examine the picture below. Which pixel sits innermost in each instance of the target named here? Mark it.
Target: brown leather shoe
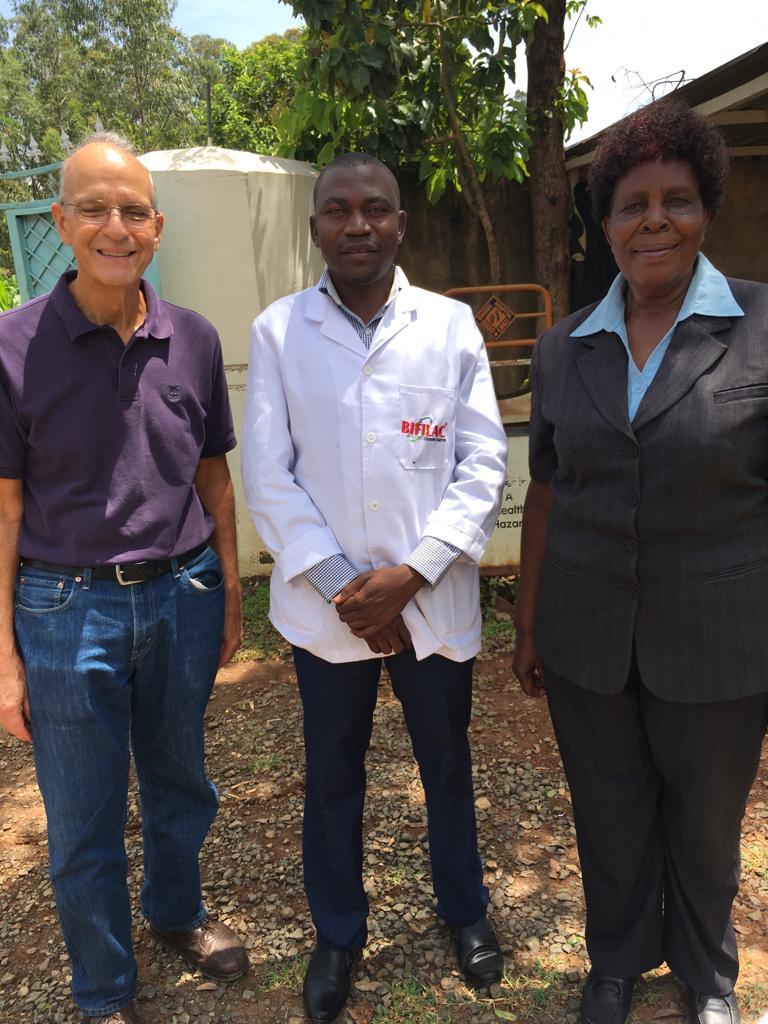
(127, 1015)
(212, 948)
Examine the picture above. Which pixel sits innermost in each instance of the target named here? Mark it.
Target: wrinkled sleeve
(290, 525)
(13, 437)
(219, 428)
(542, 456)
(466, 515)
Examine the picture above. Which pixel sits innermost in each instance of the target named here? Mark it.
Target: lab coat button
(367, 370)
(370, 437)
(375, 506)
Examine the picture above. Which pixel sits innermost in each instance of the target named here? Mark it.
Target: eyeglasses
(92, 211)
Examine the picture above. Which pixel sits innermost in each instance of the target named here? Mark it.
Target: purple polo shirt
(107, 437)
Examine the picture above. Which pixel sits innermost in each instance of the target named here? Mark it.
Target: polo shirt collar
(709, 294)
(157, 324)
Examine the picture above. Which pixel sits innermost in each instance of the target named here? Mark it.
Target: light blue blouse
(708, 294)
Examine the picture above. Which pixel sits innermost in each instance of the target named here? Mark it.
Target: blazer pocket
(562, 563)
(741, 394)
(427, 427)
(734, 571)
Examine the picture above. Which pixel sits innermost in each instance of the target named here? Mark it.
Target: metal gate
(509, 337)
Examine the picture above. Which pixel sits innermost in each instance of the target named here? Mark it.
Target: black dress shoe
(326, 983)
(479, 955)
(606, 1000)
(713, 1009)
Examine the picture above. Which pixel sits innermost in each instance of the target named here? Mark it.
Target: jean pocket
(205, 575)
(40, 592)
(427, 427)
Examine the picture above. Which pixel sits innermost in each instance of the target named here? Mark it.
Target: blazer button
(630, 499)
(632, 450)
(631, 545)
(633, 590)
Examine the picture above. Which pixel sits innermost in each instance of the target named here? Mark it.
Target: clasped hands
(372, 604)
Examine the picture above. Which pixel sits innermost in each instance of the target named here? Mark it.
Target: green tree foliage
(255, 85)
(430, 81)
(136, 75)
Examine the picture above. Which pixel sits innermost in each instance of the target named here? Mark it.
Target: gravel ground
(252, 873)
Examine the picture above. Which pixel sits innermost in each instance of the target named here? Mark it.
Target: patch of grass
(260, 640)
(753, 996)
(286, 975)
(264, 763)
(398, 874)
(532, 991)
(494, 627)
(409, 1002)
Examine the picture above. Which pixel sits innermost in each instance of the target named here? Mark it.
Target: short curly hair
(668, 129)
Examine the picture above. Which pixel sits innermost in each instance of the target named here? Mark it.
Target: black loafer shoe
(480, 958)
(606, 1000)
(713, 1009)
(326, 983)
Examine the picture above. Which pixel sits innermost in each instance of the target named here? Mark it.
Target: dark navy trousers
(339, 700)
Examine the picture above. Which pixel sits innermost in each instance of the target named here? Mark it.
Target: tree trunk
(471, 186)
(549, 186)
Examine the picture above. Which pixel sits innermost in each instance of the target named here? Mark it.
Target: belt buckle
(123, 582)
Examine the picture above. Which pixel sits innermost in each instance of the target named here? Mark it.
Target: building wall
(737, 238)
(445, 246)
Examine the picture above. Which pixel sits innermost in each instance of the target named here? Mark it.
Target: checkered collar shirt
(365, 332)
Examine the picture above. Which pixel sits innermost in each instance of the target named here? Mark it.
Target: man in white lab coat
(373, 461)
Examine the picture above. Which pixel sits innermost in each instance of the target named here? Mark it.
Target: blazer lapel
(603, 369)
(691, 352)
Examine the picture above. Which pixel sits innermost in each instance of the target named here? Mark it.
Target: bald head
(109, 152)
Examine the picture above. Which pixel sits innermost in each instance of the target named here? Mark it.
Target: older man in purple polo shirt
(119, 588)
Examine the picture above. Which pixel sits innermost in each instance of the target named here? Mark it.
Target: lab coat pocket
(426, 426)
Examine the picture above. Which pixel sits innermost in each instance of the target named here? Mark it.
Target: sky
(638, 41)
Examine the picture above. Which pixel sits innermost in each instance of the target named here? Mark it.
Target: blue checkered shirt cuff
(432, 558)
(330, 576)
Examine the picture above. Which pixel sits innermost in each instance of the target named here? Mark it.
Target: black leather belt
(125, 573)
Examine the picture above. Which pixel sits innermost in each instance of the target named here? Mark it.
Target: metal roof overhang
(733, 96)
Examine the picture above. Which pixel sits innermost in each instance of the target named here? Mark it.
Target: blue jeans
(110, 668)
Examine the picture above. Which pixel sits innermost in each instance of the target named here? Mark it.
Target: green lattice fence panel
(39, 254)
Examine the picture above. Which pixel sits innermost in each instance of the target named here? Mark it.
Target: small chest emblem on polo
(174, 392)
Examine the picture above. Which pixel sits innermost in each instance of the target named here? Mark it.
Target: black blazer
(658, 534)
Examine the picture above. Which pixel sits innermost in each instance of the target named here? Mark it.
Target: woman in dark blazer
(644, 582)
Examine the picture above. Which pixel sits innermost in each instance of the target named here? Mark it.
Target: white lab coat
(337, 457)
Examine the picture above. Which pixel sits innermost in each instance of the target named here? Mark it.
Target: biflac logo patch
(424, 429)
